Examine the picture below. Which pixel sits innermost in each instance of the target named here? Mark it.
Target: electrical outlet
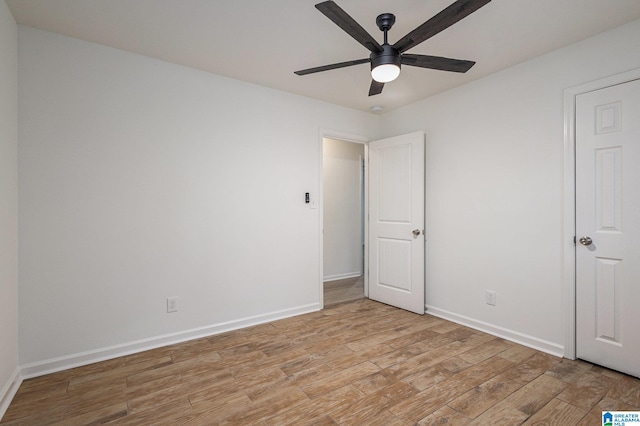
(490, 297)
(172, 304)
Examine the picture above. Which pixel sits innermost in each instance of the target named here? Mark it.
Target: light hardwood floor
(346, 290)
(359, 363)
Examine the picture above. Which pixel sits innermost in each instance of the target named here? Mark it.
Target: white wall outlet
(490, 297)
(172, 304)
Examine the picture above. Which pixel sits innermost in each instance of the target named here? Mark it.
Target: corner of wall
(9, 391)
(10, 377)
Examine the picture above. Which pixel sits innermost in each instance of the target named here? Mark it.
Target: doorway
(343, 176)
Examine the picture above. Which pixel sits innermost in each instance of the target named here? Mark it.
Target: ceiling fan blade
(349, 25)
(332, 66)
(437, 62)
(443, 20)
(376, 88)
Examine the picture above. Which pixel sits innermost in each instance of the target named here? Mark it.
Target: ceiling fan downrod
(385, 64)
(385, 21)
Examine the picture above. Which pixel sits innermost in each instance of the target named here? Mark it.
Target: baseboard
(342, 276)
(511, 335)
(79, 359)
(9, 391)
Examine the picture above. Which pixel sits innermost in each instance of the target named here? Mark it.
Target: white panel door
(396, 221)
(608, 227)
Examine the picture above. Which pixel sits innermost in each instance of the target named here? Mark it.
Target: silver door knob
(586, 241)
(416, 232)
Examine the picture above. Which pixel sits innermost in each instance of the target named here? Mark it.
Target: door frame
(569, 207)
(353, 138)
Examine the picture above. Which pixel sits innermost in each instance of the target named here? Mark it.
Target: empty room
(173, 224)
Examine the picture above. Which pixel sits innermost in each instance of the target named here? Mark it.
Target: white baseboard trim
(341, 276)
(514, 336)
(79, 359)
(9, 391)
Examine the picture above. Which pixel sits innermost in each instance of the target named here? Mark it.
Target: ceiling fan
(386, 59)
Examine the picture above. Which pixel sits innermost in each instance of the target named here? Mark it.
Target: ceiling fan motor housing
(388, 56)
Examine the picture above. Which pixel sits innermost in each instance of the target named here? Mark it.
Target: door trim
(569, 202)
(354, 138)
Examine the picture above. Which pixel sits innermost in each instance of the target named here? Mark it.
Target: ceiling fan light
(385, 73)
(385, 64)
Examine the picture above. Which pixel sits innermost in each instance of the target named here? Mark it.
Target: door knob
(586, 241)
(416, 232)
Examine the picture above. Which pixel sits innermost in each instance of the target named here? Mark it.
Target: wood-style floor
(359, 363)
(341, 291)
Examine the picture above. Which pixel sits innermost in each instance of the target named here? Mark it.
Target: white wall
(141, 180)
(495, 187)
(342, 208)
(9, 372)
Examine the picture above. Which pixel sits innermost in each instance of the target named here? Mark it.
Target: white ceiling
(264, 41)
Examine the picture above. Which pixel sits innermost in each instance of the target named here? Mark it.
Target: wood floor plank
(311, 360)
(141, 389)
(424, 360)
(394, 357)
(454, 364)
(33, 391)
(536, 394)
(153, 400)
(37, 416)
(531, 367)
(559, 413)
(605, 404)
(277, 402)
(500, 414)
(397, 392)
(569, 371)
(587, 390)
(484, 396)
(429, 400)
(362, 411)
(25, 408)
(374, 382)
(486, 350)
(168, 414)
(339, 379)
(90, 369)
(123, 371)
(331, 367)
(426, 378)
(206, 402)
(104, 415)
(517, 353)
(411, 338)
(484, 371)
(624, 388)
(316, 411)
(444, 416)
(98, 398)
